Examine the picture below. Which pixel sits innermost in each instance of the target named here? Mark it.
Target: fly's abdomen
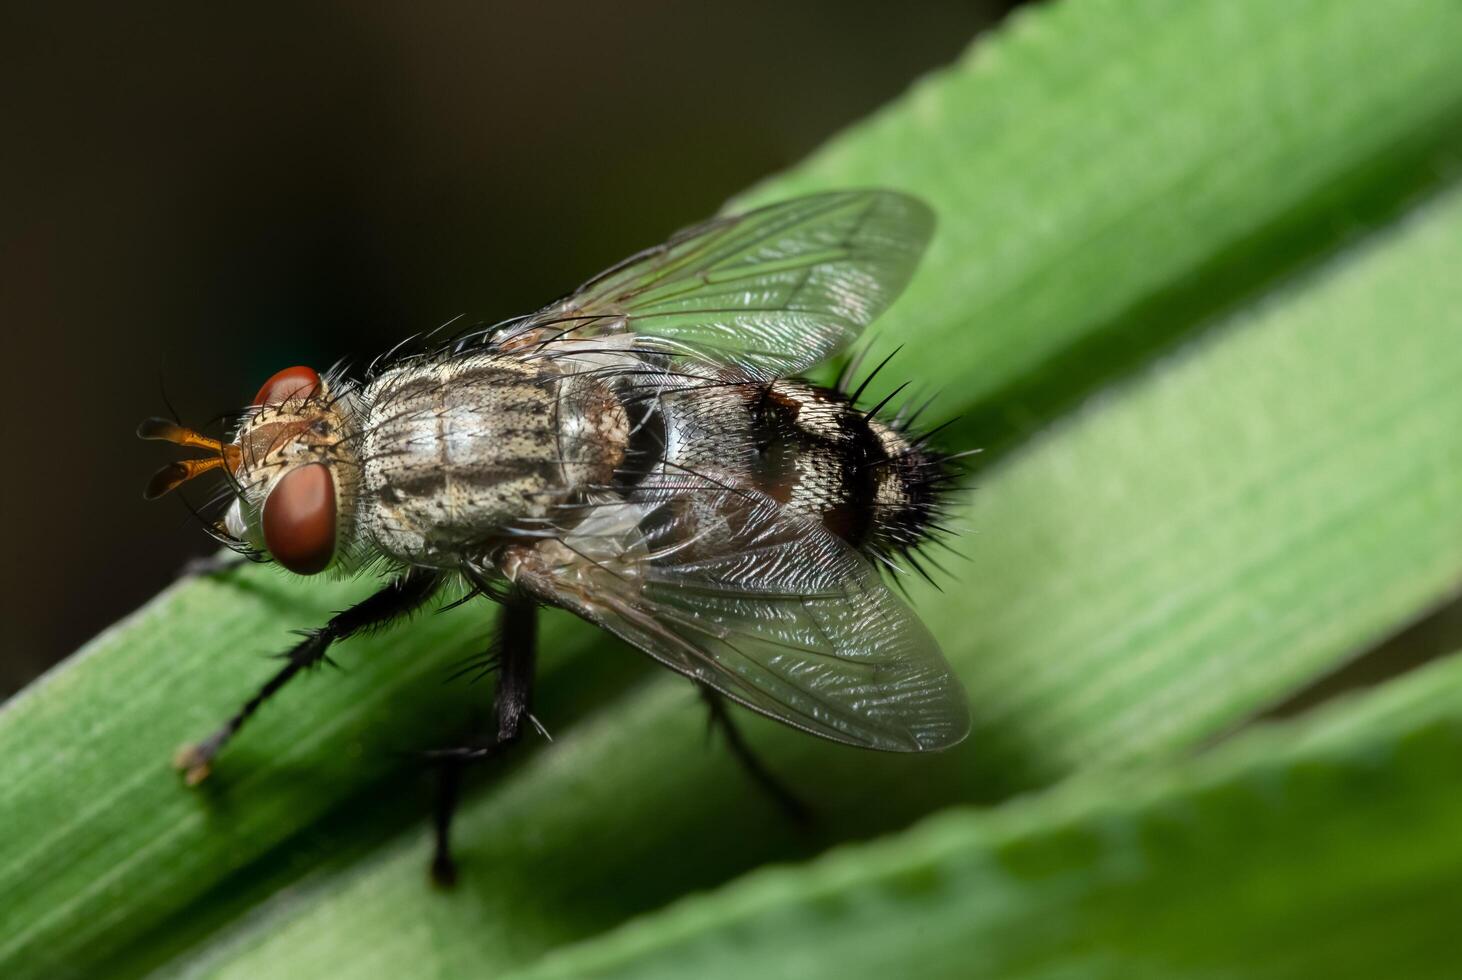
(457, 452)
(811, 450)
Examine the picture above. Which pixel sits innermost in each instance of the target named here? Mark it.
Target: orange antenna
(174, 475)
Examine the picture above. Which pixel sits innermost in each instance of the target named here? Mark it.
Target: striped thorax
(457, 451)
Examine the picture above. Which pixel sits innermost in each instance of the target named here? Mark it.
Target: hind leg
(794, 808)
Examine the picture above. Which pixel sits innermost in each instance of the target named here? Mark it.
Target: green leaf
(1327, 848)
(1231, 523)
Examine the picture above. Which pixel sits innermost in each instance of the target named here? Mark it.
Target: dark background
(199, 199)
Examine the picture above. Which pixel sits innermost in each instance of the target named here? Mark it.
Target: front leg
(403, 595)
(512, 704)
(214, 564)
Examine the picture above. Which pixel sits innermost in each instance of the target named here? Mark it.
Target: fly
(642, 454)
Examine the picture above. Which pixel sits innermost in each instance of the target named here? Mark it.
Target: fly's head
(293, 465)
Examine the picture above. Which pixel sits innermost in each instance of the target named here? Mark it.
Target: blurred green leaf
(1233, 523)
(1325, 848)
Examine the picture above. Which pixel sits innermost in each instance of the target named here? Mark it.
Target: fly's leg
(794, 808)
(512, 702)
(400, 597)
(215, 564)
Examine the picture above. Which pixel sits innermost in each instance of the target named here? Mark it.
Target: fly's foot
(195, 759)
(443, 871)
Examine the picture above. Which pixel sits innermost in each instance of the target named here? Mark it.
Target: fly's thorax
(459, 451)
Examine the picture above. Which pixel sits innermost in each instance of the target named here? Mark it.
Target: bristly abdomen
(812, 450)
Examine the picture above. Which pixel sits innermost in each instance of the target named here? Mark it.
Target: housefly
(641, 454)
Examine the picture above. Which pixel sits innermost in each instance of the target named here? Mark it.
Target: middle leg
(512, 704)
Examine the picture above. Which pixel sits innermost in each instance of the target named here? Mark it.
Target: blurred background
(197, 202)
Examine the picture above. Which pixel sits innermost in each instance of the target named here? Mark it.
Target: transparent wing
(772, 291)
(767, 608)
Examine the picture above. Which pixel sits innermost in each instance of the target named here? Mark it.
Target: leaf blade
(1213, 870)
(1050, 256)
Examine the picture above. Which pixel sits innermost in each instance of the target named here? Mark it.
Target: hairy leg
(512, 702)
(721, 718)
(408, 592)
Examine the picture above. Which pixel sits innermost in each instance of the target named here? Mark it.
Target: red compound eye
(292, 382)
(299, 519)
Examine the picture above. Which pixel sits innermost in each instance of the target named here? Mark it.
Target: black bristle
(873, 412)
(873, 374)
